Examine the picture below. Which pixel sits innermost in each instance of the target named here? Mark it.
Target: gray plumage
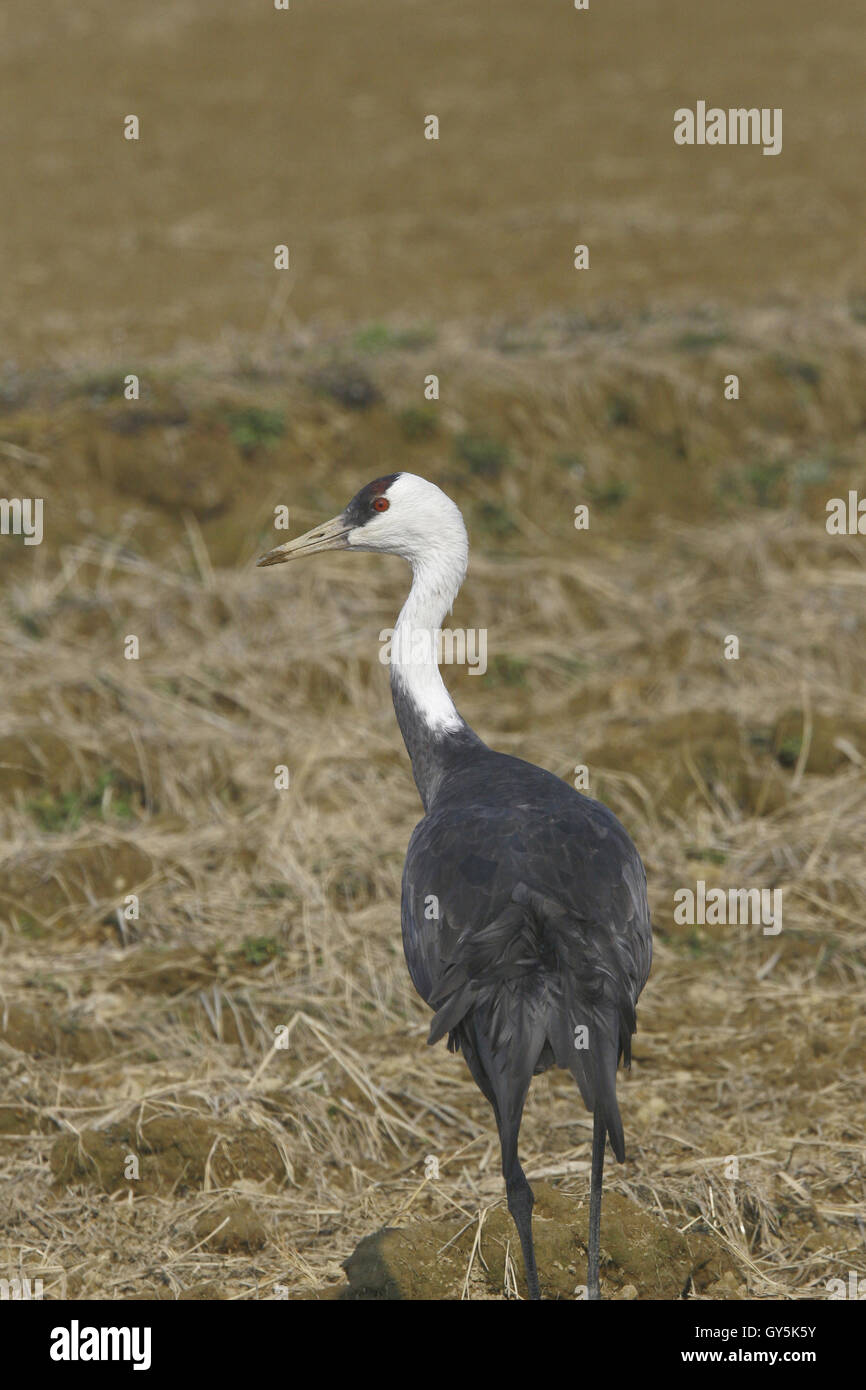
(542, 926)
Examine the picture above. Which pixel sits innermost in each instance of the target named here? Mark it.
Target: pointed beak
(331, 536)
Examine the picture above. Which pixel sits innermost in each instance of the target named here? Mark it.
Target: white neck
(414, 664)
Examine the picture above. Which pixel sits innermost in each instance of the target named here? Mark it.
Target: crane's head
(400, 514)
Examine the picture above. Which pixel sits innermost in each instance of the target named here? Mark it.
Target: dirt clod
(168, 1154)
(233, 1225)
(642, 1256)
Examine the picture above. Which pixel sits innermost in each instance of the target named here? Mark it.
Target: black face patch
(361, 510)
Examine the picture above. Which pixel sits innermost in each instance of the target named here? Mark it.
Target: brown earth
(642, 1257)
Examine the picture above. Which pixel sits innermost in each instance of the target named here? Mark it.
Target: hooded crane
(524, 912)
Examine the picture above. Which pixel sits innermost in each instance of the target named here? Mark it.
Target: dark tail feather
(593, 1068)
(590, 998)
(603, 1063)
(530, 981)
(482, 962)
(613, 1123)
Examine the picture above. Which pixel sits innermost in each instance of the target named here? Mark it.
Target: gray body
(525, 920)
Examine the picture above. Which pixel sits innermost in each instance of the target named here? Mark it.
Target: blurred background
(151, 1034)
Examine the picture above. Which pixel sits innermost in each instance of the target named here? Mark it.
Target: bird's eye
(381, 504)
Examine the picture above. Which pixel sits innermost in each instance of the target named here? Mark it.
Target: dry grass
(262, 909)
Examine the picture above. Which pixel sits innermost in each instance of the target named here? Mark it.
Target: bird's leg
(520, 1204)
(507, 1099)
(599, 1135)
